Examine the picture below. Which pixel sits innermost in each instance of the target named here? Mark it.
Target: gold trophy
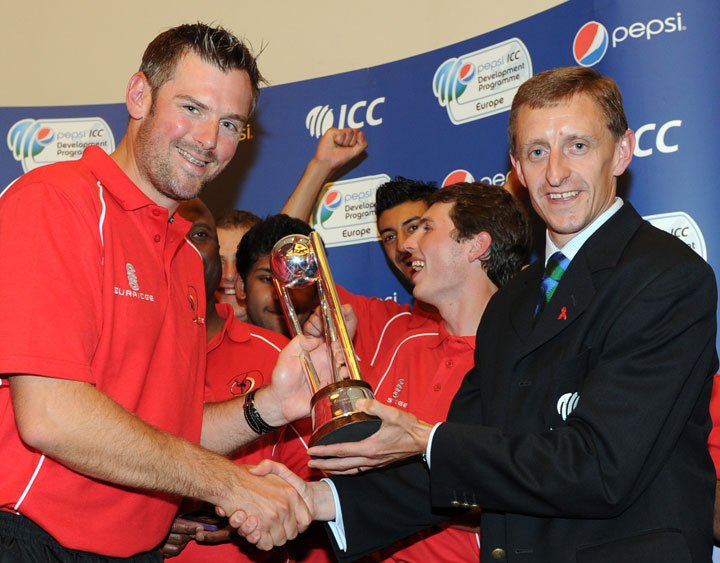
(298, 261)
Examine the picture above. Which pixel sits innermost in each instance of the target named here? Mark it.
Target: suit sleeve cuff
(426, 455)
(337, 527)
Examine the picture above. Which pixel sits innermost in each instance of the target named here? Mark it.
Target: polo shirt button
(157, 238)
(436, 387)
(498, 554)
(156, 212)
(449, 363)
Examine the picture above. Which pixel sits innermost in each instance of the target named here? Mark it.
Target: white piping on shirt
(397, 349)
(30, 483)
(102, 219)
(8, 186)
(265, 340)
(382, 335)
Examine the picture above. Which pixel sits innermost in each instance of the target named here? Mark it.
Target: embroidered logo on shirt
(567, 403)
(246, 382)
(134, 290)
(132, 277)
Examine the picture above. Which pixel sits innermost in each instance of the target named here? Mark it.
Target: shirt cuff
(426, 457)
(337, 527)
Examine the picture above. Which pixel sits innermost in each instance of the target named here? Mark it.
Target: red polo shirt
(381, 322)
(421, 374)
(99, 286)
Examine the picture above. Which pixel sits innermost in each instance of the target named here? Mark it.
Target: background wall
(84, 51)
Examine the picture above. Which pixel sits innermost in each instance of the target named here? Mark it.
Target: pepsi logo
(333, 199)
(590, 44)
(45, 135)
(331, 202)
(466, 73)
(457, 176)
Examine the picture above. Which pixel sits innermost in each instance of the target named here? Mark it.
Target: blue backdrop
(445, 112)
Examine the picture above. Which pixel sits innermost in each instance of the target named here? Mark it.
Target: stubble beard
(157, 167)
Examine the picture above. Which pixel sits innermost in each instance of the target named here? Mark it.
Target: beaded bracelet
(252, 416)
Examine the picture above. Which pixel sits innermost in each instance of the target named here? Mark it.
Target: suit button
(498, 554)
(455, 503)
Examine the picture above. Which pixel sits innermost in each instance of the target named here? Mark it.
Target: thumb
(371, 407)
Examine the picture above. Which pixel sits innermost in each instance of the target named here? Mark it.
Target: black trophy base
(352, 428)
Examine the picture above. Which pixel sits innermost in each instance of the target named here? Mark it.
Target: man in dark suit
(581, 432)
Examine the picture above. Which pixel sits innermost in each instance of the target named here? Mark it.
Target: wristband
(252, 416)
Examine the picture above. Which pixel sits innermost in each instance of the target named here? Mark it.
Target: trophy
(298, 261)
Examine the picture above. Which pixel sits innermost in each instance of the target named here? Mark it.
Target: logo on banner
(590, 44)
(643, 147)
(38, 142)
(482, 83)
(321, 118)
(592, 39)
(330, 204)
(681, 225)
(346, 212)
(461, 175)
(457, 176)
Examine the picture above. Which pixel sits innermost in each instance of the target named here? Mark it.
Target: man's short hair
(212, 44)
(237, 219)
(478, 208)
(559, 85)
(399, 191)
(261, 238)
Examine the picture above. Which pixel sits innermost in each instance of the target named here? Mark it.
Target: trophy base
(335, 418)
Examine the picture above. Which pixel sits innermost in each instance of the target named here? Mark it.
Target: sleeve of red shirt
(51, 300)
(714, 438)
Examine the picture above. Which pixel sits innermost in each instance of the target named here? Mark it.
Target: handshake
(267, 503)
(282, 506)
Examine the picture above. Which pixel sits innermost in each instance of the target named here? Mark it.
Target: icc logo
(661, 143)
(27, 138)
(567, 403)
(451, 80)
(590, 44)
(321, 118)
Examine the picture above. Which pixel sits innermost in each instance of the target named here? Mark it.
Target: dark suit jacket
(582, 439)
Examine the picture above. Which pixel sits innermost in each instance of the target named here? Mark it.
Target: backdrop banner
(442, 116)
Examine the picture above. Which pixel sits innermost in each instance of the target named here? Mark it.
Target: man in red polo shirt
(103, 405)
(471, 241)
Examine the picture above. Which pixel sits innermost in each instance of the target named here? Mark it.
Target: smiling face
(395, 225)
(189, 128)
(439, 262)
(569, 161)
(229, 239)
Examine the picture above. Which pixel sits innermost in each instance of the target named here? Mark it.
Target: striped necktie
(556, 266)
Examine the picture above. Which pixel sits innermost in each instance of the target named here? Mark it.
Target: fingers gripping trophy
(299, 261)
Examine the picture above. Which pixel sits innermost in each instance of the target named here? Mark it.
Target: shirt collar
(573, 246)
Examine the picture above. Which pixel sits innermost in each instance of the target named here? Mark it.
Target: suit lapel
(523, 303)
(576, 289)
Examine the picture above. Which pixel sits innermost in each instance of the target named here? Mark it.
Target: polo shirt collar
(444, 335)
(236, 330)
(419, 316)
(114, 180)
